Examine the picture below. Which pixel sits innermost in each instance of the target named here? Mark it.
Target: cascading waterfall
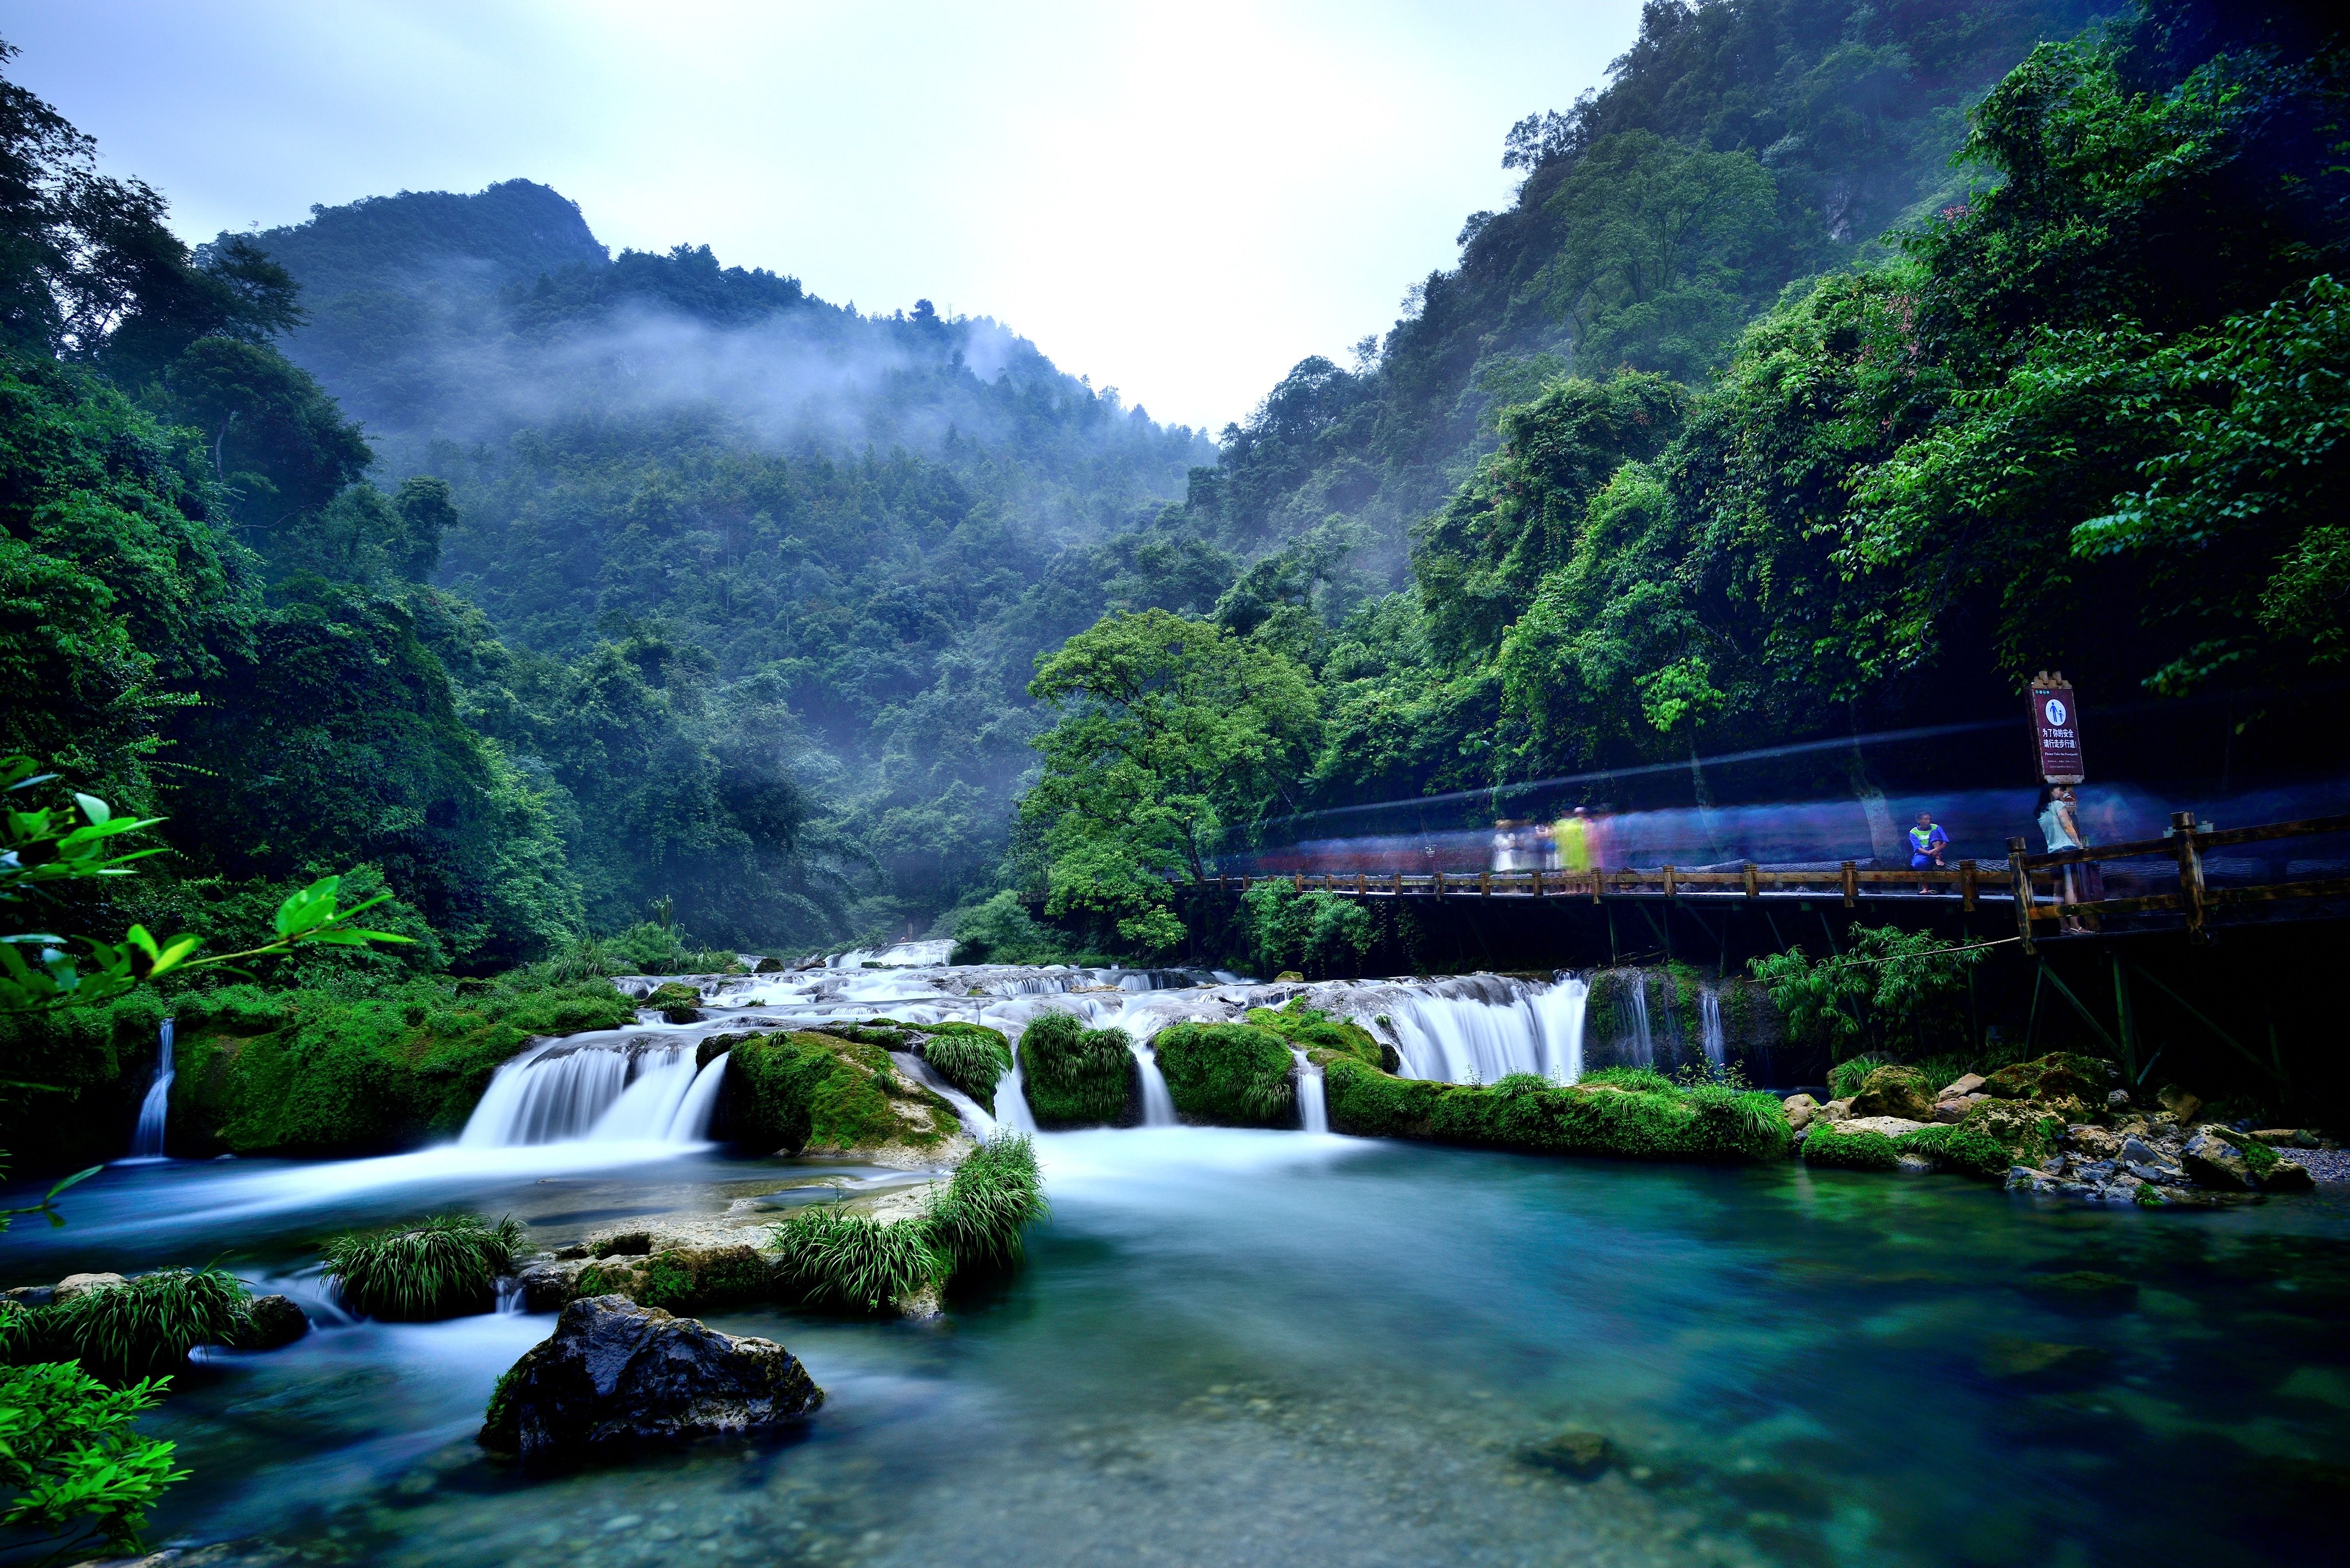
(1481, 1029)
(155, 1110)
(1646, 1043)
(1012, 1112)
(626, 1093)
(1708, 1006)
(1158, 1102)
(1313, 1112)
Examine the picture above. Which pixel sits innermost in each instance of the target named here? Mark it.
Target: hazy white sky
(1179, 201)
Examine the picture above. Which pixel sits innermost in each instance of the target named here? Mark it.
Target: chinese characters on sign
(2056, 730)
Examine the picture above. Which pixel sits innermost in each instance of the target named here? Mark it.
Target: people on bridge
(1926, 842)
(1572, 836)
(2060, 824)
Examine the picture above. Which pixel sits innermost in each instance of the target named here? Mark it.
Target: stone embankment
(2057, 1127)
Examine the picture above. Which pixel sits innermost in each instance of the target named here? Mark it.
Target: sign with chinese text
(2056, 733)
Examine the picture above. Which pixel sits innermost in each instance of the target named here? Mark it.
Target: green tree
(1168, 734)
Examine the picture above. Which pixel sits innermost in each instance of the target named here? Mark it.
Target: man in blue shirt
(1926, 842)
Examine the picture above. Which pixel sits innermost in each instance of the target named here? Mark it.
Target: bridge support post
(2020, 883)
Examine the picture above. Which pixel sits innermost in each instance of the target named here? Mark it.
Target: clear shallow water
(1272, 1348)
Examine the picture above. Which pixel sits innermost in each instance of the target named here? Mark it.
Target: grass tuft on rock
(444, 1266)
(853, 1263)
(969, 1056)
(995, 1194)
(146, 1326)
(1075, 1076)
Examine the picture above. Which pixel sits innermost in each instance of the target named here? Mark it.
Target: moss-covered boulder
(321, 1073)
(800, 1091)
(1895, 1092)
(1078, 1077)
(1233, 1074)
(1619, 1111)
(2027, 1132)
(1832, 1143)
(1309, 1029)
(2059, 1076)
(970, 1057)
(675, 1279)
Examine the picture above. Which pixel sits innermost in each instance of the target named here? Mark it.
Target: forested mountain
(1760, 417)
(810, 534)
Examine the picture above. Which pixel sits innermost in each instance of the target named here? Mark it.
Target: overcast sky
(1179, 201)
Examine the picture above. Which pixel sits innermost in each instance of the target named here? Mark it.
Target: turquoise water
(1272, 1348)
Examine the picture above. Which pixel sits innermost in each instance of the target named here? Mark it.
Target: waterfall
(1709, 1005)
(1012, 1112)
(1481, 1029)
(1312, 1114)
(155, 1110)
(1647, 1042)
(604, 1094)
(1158, 1104)
(509, 1294)
(975, 1121)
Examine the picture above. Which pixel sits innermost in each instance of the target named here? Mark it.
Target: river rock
(1835, 1110)
(614, 1376)
(32, 1295)
(74, 1285)
(272, 1323)
(1801, 1109)
(2179, 1102)
(2096, 1142)
(1895, 1092)
(1891, 1127)
(2287, 1176)
(1970, 1084)
(2213, 1161)
(1584, 1456)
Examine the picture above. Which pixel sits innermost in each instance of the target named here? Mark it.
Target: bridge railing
(1968, 881)
(2190, 843)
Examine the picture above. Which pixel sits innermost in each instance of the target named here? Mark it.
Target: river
(1262, 1347)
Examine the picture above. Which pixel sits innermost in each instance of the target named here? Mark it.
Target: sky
(1178, 200)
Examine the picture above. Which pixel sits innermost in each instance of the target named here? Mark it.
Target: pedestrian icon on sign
(2055, 710)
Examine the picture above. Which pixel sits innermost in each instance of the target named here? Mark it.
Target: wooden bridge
(2043, 903)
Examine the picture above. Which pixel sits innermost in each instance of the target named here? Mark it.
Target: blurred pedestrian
(2062, 830)
(1572, 836)
(1926, 842)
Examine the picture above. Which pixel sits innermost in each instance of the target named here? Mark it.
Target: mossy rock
(674, 993)
(1308, 1029)
(1623, 1113)
(1968, 1150)
(1078, 1077)
(1896, 1092)
(802, 1090)
(1829, 1145)
(2060, 1075)
(1231, 1074)
(317, 1073)
(2027, 1132)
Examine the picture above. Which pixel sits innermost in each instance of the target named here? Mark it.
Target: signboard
(2056, 731)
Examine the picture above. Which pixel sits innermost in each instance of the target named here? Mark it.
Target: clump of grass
(444, 1266)
(995, 1194)
(1640, 1080)
(145, 1326)
(970, 1058)
(1757, 1117)
(1828, 1144)
(1075, 1076)
(853, 1262)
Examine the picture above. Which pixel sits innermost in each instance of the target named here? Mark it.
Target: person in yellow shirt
(1573, 837)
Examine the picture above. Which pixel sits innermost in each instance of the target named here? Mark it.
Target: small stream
(1234, 1347)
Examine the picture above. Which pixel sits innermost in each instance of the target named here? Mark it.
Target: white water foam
(1709, 1019)
(1481, 1028)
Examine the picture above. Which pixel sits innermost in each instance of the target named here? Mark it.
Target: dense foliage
(1683, 458)
(444, 1265)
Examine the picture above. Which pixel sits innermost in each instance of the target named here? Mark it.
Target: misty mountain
(877, 521)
